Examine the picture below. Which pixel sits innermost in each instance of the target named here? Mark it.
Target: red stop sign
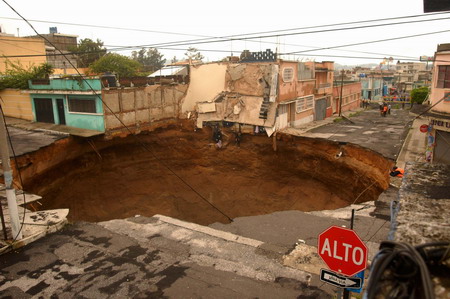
(342, 250)
(423, 128)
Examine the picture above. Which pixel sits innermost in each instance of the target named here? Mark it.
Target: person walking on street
(384, 110)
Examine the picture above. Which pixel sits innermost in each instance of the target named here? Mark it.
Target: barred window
(443, 80)
(82, 105)
(304, 103)
(288, 74)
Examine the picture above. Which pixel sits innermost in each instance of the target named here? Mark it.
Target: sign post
(342, 250)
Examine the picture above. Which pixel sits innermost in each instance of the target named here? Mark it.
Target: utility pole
(8, 177)
(340, 96)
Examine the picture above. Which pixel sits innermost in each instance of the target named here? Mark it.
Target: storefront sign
(438, 124)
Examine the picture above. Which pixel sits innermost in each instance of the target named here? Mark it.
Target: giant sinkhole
(178, 172)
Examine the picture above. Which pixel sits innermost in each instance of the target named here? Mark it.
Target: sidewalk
(413, 149)
(50, 128)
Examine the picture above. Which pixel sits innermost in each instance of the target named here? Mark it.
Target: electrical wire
(122, 123)
(369, 42)
(287, 34)
(290, 53)
(266, 42)
(216, 40)
(235, 35)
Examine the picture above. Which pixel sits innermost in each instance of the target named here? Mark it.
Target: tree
(174, 60)
(115, 63)
(193, 54)
(418, 95)
(151, 59)
(16, 76)
(89, 51)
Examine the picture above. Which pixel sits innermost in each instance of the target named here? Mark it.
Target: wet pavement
(367, 128)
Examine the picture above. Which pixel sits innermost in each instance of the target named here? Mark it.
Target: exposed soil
(251, 179)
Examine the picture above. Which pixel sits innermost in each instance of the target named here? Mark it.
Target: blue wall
(68, 84)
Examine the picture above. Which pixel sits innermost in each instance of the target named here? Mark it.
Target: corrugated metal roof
(168, 71)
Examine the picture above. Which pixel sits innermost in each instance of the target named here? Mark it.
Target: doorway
(44, 110)
(61, 114)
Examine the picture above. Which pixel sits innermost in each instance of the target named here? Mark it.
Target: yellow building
(19, 46)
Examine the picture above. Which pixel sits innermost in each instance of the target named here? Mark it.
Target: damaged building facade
(269, 93)
(256, 92)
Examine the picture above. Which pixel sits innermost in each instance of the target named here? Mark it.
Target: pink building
(305, 92)
(438, 142)
(351, 96)
(296, 84)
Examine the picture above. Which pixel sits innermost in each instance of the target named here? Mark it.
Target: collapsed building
(257, 90)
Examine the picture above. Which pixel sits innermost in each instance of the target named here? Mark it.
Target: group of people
(365, 103)
(217, 137)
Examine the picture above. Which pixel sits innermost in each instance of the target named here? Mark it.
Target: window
(304, 103)
(288, 74)
(300, 105)
(82, 105)
(443, 80)
(305, 72)
(309, 102)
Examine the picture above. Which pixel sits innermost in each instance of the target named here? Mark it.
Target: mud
(179, 170)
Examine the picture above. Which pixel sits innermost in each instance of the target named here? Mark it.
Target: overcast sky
(191, 20)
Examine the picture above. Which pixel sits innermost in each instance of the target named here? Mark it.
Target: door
(282, 116)
(61, 114)
(442, 149)
(320, 111)
(292, 114)
(44, 110)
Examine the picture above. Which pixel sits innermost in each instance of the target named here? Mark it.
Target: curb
(210, 231)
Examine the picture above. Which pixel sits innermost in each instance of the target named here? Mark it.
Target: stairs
(264, 108)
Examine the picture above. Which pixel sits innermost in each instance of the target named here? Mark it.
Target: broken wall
(238, 109)
(139, 108)
(206, 82)
(249, 78)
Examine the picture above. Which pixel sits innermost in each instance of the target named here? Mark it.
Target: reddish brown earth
(251, 179)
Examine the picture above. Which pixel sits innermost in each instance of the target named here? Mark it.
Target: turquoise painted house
(70, 102)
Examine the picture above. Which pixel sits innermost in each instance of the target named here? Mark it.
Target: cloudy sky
(175, 25)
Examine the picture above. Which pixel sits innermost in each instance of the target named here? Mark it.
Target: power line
(290, 53)
(214, 41)
(123, 124)
(231, 36)
(184, 43)
(369, 42)
(294, 45)
(107, 27)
